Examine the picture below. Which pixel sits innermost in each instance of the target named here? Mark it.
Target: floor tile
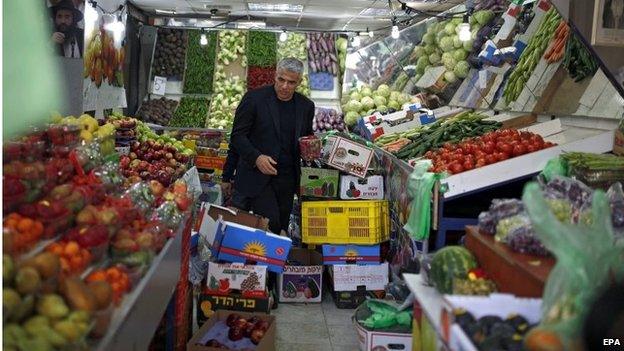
(305, 347)
(335, 315)
(343, 335)
(302, 333)
(299, 313)
(345, 348)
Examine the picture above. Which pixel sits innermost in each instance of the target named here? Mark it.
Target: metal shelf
(133, 323)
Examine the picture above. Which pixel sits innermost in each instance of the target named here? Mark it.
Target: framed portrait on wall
(608, 27)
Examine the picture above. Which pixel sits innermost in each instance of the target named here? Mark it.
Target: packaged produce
(116, 276)
(327, 119)
(200, 62)
(499, 209)
(20, 233)
(74, 258)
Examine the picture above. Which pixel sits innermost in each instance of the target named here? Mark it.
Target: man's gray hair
(291, 64)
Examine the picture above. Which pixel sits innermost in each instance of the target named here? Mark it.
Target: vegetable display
(432, 136)
(449, 263)
(170, 52)
(557, 48)
(158, 111)
(481, 151)
(294, 46)
(327, 119)
(490, 332)
(231, 45)
(322, 53)
(493, 5)
(365, 101)
(578, 61)
(261, 49)
(227, 95)
(440, 46)
(200, 63)
(304, 87)
(260, 76)
(341, 47)
(531, 56)
(191, 113)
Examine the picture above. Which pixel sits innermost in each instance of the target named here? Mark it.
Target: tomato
(488, 148)
(519, 149)
(489, 159)
(487, 138)
(549, 144)
(480, 154)
(468, 165)
(429, 154)
(503, 147)
(532, 148)
(456, 168)
(448, 146)
(501, 156)
(458, 151)
(480, 163)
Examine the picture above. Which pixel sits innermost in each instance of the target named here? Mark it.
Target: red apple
(254, 320)
(262, 325)
(231, 319)
(256, 336)
(241, 323)
(183, 202)
(235, 333)
(248, 329)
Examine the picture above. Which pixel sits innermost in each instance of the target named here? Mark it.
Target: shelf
(135, 320)
(519, 274)
(595, 141)
(429, 299)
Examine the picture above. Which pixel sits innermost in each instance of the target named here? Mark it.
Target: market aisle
(315, 327)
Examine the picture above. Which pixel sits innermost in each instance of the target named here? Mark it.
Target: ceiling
(347, 15)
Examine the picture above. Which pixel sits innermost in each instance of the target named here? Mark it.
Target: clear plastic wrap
(499, 209)
(168, 214)
(523, 239)
(509, 224)
(616, 203)
(141, 196)
(578, 194)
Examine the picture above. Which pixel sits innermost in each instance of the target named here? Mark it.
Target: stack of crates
(350, 231)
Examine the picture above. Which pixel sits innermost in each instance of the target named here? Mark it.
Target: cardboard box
(238, 243)
(354, 188)
(210, 213)
(222, 278)
(373, 340)
(319, 182)
(202, 336)
(208, 304)
(501, 305)
(348, 156)
(302, 283)
(352, 284)
(350, 254)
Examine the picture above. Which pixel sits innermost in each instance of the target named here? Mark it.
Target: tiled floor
(315, 327)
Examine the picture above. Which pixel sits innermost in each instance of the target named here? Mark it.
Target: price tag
(483, 79)
(160, 85)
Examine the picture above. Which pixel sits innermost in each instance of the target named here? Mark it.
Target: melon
(449, 263)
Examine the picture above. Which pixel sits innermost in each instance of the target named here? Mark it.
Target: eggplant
(312, 66)
(333, 57)
(324, 45)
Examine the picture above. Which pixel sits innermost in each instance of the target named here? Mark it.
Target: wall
(582, 14)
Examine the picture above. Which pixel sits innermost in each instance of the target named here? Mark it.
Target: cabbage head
(450, 77)
(379, 101)
(482, 17)
(468, 45)
(446, 44)
(355, 96)
(383, 90)
(460, 54)
(457, 44)
(430, 49)
(367, 103)
(366, 91)
(434, 58)
(428, 38)
(354, 106)
(449, 28)
(351, 118)
(461, 69)
(418, 52)
(394, 95)
(382, 108)
(394, 105)
(450, 63)
(422, 63)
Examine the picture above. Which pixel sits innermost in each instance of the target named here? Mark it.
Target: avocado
(314, 288)
(464, 318)
(492, 343)
(502, 329)
(486, 323)
(518, 322)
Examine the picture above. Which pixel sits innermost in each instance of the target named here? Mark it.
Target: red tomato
(488, 148)
(429, 154)
(504, 147)
(480, 163)
(501, 156)
(548, 144)
(456, 168)
(448, 146)
(519, 149)
(532, 148)
(468, 164)
(489, 159)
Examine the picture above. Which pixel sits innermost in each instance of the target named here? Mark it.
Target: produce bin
(345, 222)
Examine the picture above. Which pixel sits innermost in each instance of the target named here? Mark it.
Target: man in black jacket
(268, 124)
(69, 39)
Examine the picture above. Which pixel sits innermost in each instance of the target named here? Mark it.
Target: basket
(345, 222)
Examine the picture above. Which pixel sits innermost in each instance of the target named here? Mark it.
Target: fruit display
(322, 53)
(239, 327)
(89, 130)
(327, 119)
(441, 46)
(490, 148)
(366, 101)
(228, 92)
(170, 53)
(191, 113)
(492, 332)
(262, 49)
(200, 62)
(558, 46)
(158, 111)
(476, 283)
(304, 86)
(448, 264)
(102, 60)
(260, 76)
(20, 233)
(116, 277)
(74, 259)
(578, 61)
(434, 135)
(531, 56)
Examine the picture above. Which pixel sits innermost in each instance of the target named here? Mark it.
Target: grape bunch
(524, 240)
(250, 282)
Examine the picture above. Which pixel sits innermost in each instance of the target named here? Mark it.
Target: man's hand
(226, 188)
(265, 165)
(58, 37)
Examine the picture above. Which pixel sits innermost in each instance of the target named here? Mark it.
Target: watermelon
(449, 263)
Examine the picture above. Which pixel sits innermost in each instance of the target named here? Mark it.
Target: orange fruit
(113, 274)
(86, 255)
(77, 263)
(25, 224)
(37, 229)
(97, 276)
(71, 248)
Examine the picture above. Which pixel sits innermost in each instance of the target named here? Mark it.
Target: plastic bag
(523, 239)
(587, 259)
(509, 224)
(554, 167)
(616, 202)
(499, 209)
(419, 187)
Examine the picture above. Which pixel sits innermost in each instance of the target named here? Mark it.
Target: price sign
(160, 85)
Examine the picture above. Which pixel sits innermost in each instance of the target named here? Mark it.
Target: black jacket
(229, 168)
(79, 35)
(256, 132)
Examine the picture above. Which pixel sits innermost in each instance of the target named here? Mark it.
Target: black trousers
(274, 202)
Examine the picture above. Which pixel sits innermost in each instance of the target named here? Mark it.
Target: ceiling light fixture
(371, 34)
(283, 36)
(167, 12)
(355, 41)
(203, 40)
(267, 7)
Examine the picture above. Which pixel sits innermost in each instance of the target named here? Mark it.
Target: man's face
(285, 84)
(64, 20)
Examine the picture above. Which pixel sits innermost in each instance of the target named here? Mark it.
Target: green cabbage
(434, 58)
(450, 77)
(351, 118)
(367, 102)
(422, 63)
(428, 38)
(456, 42)
(379, 101)
(482, 17)
(449, 28)
(418, 52)
(446, 44)
(460, 54)
(356, 96)
(366, 91)
(468, 45)
(461, 69)
(394, 105)
(383, 90)
(430, 49)
(449, 63)
(394, 95)
(382, 108)
(354, 105)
